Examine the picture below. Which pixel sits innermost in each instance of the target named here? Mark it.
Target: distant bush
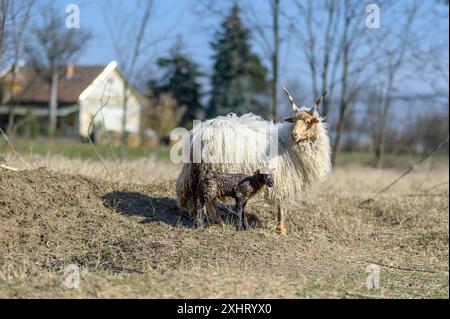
(162, 115)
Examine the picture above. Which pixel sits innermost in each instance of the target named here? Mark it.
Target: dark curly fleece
(240, 187)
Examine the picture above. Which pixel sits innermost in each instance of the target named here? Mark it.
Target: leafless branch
(104, 102)
(13, 149)
(435, 186)
(400, 267)
(91, 124)
(9, 168)
(409, 170)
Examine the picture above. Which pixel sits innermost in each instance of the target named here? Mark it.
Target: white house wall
(112, 112)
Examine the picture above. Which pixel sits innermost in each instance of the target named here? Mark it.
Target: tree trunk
(379, 148)
(124, 136)
(381, 138)
(342, 107)
(343, 104)
(326, 56)
(339, 130)
(53, 107)
(11, 104)
(275, 54)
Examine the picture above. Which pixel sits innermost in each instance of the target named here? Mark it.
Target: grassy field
(74, 149)
(119, 222)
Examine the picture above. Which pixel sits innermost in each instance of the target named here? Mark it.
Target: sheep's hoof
(219, 222)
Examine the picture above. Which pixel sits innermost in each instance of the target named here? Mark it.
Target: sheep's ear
(256, 172)
(290, 119)
(315, 120)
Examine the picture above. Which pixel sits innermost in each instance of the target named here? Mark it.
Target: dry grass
(121, 225)
(137, 171)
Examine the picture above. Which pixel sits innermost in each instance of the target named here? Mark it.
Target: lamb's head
(305, 120)
(265, 176)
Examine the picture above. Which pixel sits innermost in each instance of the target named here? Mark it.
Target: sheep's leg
(211, 208)
(239, 210)
(281, 218)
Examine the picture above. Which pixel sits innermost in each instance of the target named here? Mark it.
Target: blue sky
(174, 15)
(182, 19)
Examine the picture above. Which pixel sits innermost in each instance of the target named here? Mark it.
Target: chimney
(70, 71)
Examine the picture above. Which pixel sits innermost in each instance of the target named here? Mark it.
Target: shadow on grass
(228, 215)
(154, 209)
(163, 209)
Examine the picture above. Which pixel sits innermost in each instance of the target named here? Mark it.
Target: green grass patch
(72, 148)
(390, 159)
(76, 149)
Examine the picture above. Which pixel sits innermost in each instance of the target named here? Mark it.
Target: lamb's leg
(244, 216)
(239, 210)
(281, 218)
(200, 212)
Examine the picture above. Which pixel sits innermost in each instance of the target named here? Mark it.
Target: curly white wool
(236, 144)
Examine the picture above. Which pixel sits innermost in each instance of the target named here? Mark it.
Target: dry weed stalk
(28, 166)
(103, 103)
(9, 168)
(409, 170)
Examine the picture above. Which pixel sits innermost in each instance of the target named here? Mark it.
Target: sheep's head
(305, 120)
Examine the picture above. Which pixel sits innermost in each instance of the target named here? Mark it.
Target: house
(80, 92)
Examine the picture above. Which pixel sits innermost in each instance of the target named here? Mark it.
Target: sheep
(234, 144)
(240, 187)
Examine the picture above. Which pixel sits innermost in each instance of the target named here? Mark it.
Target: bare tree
(344, 99)
(267, 36)
(395, 55)
(322, 54)
(433, 59)
(20, 15)
(128, 31)
(338, 52)
(332, 58)
(4, 7)
(54, 45)
(275, 6)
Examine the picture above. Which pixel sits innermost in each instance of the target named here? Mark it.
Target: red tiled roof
(34, 89)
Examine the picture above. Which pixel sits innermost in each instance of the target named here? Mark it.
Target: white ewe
(233, 144)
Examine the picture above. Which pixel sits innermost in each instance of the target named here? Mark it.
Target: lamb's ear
(256, 172)
(290, 119)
